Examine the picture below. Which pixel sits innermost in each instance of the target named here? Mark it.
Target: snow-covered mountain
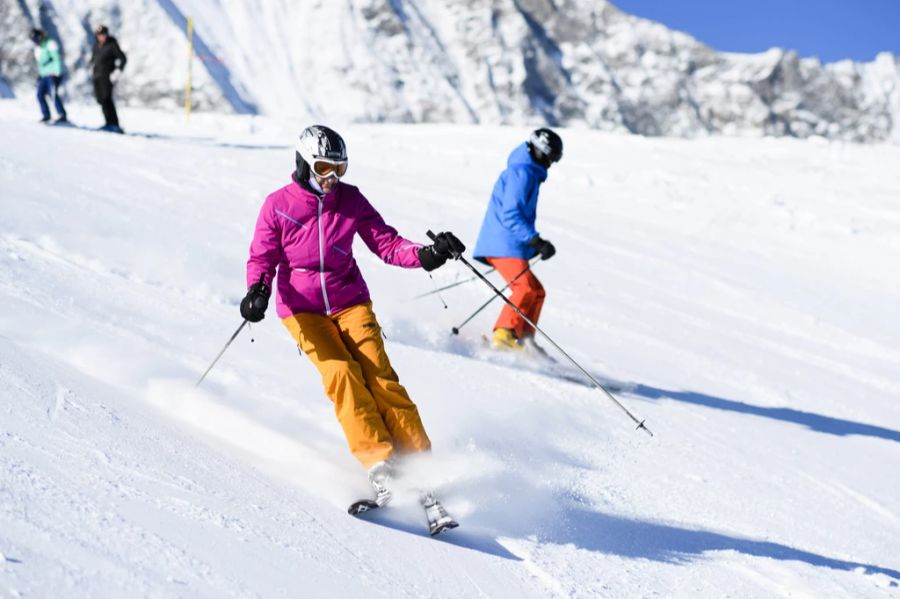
(567, 62)
(742, 292)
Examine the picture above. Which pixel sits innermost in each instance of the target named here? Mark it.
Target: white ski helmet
(319, 142)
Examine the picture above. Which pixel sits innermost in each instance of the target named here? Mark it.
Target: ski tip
(444, 527)
(361, 507)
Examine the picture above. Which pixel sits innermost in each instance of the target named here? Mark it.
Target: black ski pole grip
(433, 237)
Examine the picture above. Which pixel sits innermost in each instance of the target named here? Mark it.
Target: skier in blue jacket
(508, 237)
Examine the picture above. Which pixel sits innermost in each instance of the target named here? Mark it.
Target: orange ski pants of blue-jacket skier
(373, 408)
(527, 294)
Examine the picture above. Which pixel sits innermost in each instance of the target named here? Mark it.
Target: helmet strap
(302, 173)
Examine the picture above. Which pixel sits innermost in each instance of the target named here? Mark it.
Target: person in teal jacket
(46, 52)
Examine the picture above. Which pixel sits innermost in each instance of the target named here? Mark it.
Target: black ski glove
(543, 247)
(446, 245)
(253, 306)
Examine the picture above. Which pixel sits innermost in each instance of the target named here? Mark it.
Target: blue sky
(829, 29)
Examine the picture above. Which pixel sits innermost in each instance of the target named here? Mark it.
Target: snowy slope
(744, 290)
(578, 63)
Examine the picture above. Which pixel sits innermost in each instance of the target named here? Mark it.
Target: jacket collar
(302, 192)
(522, 157)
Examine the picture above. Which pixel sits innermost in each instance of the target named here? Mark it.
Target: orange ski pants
(373, 408)
(527, 293)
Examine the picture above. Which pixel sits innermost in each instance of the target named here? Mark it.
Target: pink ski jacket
(310, 241)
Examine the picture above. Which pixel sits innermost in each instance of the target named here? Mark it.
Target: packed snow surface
(742, 293)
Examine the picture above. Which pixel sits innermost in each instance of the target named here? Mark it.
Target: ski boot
(380, 477)
(506, 339)
(438, 518)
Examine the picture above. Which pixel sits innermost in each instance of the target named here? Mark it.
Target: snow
(743, 290)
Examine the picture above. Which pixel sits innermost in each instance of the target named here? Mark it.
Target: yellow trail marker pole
(187, 86)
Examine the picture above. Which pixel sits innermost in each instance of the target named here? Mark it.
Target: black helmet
(37, 35)
(545, 146)
(319, 142)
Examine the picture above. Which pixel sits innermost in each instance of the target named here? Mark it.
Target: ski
(436, 528)
(362, 506)
(439, 521)
(380, 476)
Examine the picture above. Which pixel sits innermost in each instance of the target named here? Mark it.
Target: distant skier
(106, 57)
(508, 238)
(305, 231)
(50, 69)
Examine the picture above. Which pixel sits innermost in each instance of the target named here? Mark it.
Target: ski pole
(458, 256)
(456, 329)
(197, 384)
(262, 278)
(451, 285)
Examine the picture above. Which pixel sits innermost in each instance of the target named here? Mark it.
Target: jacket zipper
(322, 260)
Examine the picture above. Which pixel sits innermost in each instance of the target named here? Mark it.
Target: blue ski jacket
(508, 225)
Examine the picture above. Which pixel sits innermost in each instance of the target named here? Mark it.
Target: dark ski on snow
(361, 506)
(437, 523)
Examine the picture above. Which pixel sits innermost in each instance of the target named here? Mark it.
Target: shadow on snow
(811, 420)
(616, 535)
(563, 372)
(559, 520)
(467, 539)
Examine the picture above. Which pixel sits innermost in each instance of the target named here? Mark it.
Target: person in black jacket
(106, 58)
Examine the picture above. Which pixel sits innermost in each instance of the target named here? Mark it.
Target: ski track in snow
(761, 352)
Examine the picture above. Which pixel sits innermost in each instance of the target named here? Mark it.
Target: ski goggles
(329, 168)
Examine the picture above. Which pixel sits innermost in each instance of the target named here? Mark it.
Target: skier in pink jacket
(305, 233)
